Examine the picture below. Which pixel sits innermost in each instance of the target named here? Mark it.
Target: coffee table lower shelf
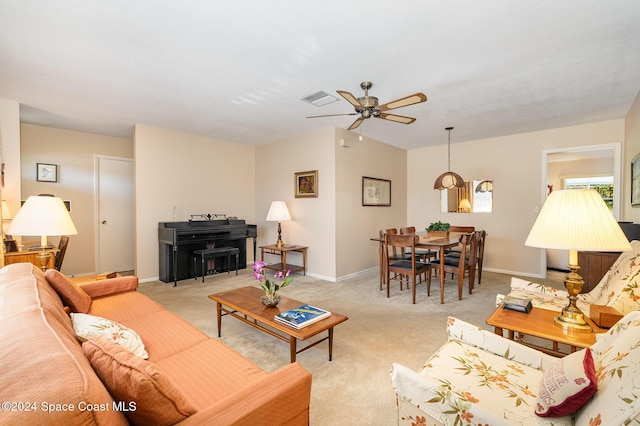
(244, 304)
(539, 323)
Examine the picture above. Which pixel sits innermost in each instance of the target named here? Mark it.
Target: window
(602, 184)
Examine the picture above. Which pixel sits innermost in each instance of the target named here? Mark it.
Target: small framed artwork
(306, 184)
(635, 181)
(46, 172)
(376, 192)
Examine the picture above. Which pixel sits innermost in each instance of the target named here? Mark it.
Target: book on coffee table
(301, 316)
(520, 304)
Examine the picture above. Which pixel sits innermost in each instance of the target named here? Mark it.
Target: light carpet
(354, 388)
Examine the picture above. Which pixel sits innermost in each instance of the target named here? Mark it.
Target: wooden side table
(539, 323)
(282, 252)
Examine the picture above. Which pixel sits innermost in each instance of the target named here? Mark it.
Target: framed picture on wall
(635, 181)
(376, 192)
(306, 184)
(46, 172)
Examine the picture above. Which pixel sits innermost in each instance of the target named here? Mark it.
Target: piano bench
(213, 253)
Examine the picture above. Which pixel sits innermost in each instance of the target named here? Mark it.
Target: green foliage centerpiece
(438, 229)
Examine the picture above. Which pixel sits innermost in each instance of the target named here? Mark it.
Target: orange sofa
(47, 377)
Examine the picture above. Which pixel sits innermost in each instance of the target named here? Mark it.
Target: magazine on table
(302, 316)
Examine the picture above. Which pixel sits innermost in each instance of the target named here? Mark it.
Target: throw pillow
(89, 326)
(567, 385)
(71, 294)
(150, 397)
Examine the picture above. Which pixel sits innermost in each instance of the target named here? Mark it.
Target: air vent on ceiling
(319, 98)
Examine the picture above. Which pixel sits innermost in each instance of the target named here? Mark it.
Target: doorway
(560, 165)
(114, 214)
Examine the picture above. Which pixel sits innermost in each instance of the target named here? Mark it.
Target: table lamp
(278, 212)
(576, 220)
(42, 216)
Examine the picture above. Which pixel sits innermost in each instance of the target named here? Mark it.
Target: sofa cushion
(135, 381)
(617, 363)
(567, 385)
(89, 326)
(71, 294)
(475, 383)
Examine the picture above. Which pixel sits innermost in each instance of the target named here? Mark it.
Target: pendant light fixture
(448, 179)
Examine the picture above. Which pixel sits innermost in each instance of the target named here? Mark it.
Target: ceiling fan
(367, 106)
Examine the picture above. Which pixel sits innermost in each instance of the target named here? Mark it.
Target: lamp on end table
(576, 220)
(42, 216)
(278, 212)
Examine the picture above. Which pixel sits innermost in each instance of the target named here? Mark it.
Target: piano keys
(178, 240)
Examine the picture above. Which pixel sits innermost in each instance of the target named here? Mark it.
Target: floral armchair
(480, 378)
(618, 288)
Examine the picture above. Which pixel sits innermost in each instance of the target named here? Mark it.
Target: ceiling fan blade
(397, 118)
(349, 98)
(416, 98)
(331, 115)
(356, 123)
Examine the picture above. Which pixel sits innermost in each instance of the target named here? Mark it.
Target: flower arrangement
(270, 288)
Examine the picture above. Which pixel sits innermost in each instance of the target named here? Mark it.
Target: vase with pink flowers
(271, 286)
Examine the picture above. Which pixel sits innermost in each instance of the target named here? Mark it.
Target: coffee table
(539, 323)
(244, 304)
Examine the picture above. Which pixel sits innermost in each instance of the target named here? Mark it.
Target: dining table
(438, 243)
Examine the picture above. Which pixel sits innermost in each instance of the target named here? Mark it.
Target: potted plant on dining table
(438, 229)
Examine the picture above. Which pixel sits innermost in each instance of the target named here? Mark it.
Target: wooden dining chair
(390, 257)
(423, 254)
(459, 265)
(481, 237)
(480, 243)
(409, 268)
(465, 229)
(62, 250)
(459, 228)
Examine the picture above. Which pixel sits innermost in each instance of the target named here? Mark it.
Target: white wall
(355, 223)
(177, 175)
(514, 163)
(313, 219)
(74, 154)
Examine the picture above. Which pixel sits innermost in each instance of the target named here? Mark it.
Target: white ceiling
(236, 70)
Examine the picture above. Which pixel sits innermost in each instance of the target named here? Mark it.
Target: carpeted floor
(355, 387)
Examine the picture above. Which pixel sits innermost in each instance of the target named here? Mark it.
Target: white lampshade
(42, 216)
(577, 220)
(278, 211)
(464, 204)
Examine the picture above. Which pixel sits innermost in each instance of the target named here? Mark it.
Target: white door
(115, 239)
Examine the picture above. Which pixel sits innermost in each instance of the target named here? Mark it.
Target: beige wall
(631, 149)
(313, 219)
(177, 175)
(515, 164)
(10, 150)
(74, 153)
(355, 223)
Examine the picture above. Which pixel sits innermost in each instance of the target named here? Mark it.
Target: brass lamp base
(43, 256)
(572, 318)
(279, 243)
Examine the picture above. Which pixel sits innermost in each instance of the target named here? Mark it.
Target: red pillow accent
(567, 385)
(71, 294)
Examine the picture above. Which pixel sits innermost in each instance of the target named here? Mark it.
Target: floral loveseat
(617, 289)
(480, 378)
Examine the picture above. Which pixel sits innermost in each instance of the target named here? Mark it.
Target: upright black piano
(178, 240)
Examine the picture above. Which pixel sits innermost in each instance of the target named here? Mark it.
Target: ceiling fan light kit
(367, 106)
(448, 179)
